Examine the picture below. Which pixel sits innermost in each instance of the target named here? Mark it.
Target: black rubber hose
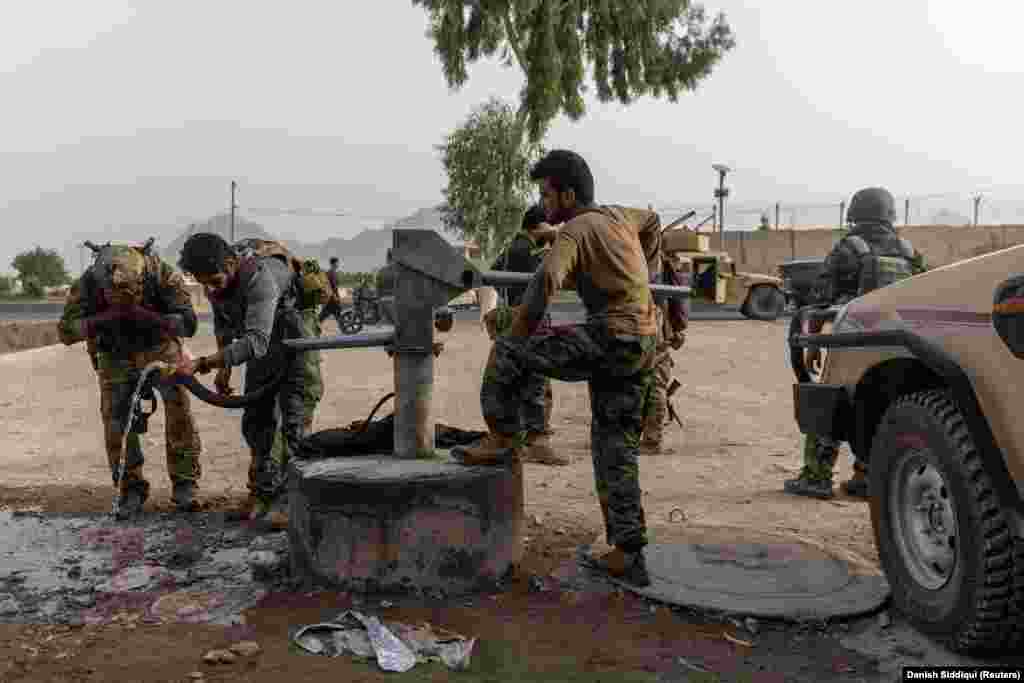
(197, 389)
(374, 412)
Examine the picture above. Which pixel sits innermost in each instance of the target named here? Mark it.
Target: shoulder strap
(859, 245)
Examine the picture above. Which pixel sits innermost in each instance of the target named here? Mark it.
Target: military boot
(494, 449)
(244, 510)
(857, 486)
(809, 485)
(270, 514)
(627, 566)
(538, 450)
(131, 502)
(183, 496)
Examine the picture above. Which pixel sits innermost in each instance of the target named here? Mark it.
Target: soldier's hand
(223, 382)
(677, 340)
(491, 323)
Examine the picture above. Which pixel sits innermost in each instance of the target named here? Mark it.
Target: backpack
(879, 270)
(312, 284)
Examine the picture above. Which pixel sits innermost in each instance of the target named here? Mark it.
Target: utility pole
(842, 214)
(977, 204)
(233, 207)
(778, 208)
(721, 193)
(906, 212)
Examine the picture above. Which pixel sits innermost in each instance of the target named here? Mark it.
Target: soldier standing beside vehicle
(871, 255)
(333, 306)
(524, 255)
(606, 252)
(255, 291)
(131, 309)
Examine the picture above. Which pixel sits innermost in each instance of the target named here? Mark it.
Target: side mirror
(1008, 314)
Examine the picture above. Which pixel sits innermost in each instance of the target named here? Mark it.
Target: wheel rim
(765, 301)
(924, 521)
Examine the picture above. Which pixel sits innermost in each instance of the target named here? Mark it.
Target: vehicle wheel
(370, 313)
(764, 302)
(351, 322)
(942, 538)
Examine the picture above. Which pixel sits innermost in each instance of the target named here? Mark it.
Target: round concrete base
(378, 524)
(771, 581)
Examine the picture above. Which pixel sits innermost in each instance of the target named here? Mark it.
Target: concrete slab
(788, 581)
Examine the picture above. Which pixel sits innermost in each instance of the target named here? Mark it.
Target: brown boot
(629, 567)
(651, 447)
(538, 450)
(494, 449)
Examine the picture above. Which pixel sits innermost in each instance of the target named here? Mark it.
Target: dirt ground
(738, 444)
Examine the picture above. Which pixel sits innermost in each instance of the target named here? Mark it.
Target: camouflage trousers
(619, 372)
(538, 398)
(313, 388)
(280, 416)
(657, 414)
(820, 455)
(118, 376)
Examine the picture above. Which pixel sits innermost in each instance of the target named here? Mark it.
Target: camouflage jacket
(164, 292)
(840, 279)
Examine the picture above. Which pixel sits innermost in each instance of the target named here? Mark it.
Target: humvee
(919, 380)
(714, 280)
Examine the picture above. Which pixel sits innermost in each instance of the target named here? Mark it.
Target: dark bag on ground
(378, 437)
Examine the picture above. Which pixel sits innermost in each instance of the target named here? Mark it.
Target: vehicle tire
(942, 538)
(351, 322)
(1017, 609)
(764, 302)
(370, 313)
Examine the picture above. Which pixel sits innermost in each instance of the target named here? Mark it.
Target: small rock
(386, 604)
(75, 573)
(196, 675)
(536, 584)
(884, 621)
(218, 657)
(751, 625)
(246, 648)
(536, 520)
(560, 532)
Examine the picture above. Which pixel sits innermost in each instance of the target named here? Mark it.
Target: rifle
(673, 388)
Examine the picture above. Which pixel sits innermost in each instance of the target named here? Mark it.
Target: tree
(6, 285)
(489, 187)
(630, 48)
(46, 266)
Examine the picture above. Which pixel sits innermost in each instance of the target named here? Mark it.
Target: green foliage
(629, 48)
(353, 280)
(6, 285)
(32, 288)
(45, 265)
(489, 188)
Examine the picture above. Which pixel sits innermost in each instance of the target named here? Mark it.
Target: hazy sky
(137, 117)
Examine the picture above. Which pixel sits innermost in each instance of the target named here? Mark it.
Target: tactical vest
(880, 269)
(122, 336)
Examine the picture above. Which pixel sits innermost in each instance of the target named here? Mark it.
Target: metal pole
(977, 203)
(721, 210)
(906, 212)
(842, 214)
(778, 209)
(233, 207)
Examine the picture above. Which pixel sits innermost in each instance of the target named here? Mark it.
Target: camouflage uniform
(605, 252)
(120, 352)
(657, 413)
(253, 334)
(842, 283)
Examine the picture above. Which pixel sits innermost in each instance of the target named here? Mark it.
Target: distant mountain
(363, 253)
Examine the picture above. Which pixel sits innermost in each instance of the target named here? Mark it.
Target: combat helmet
(872, 205)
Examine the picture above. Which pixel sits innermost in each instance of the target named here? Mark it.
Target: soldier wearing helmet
(871, 255)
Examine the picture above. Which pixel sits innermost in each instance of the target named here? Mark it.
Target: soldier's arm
(69, 329)
(838, 265)
(648, 226)
(557, 269)
(177, 302)
(261, 305)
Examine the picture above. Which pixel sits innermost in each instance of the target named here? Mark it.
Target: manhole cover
(760, 580)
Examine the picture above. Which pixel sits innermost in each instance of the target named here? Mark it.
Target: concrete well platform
(380, 524)
(775, 579)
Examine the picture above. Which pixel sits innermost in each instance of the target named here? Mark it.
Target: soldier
(386, 289)
(605, 251)
(131, 309)
(524, 255)
(332, 307)
(869, 256)
(673, 318)
(255, 288)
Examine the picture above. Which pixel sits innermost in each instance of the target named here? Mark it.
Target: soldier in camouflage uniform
(255, 288)
(869, 256)
(605, 252)
(524, 255)
(671, 336)
(131, 309)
